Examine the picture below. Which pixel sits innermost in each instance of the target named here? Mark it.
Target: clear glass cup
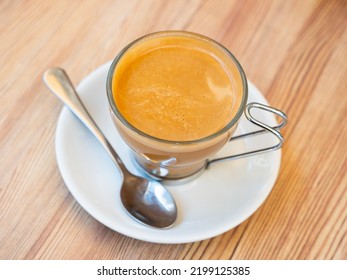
(166, 159)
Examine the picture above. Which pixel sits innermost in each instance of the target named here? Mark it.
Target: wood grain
(294, 51)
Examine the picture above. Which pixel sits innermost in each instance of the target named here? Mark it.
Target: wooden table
(294, 51)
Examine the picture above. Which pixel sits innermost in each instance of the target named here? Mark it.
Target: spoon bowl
(138, 193)
(147, 201)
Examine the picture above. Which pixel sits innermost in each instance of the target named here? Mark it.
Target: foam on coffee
(174, 88)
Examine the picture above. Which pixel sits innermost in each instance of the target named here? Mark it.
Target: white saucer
(219, 199)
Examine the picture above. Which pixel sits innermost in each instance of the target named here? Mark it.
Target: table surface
(294, 51)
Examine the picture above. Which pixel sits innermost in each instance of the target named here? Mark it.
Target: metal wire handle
(265, 129)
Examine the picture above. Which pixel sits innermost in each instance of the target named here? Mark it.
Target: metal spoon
(147, 201)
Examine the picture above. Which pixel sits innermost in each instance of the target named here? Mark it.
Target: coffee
(174, 88)
(176, 98)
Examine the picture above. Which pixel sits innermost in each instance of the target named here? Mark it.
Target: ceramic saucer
(221, 198)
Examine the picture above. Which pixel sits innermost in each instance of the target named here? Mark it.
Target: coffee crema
(174, 88)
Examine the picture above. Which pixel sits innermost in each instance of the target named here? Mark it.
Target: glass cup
(170, 159)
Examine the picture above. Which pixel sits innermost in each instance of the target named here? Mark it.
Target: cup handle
(274, 130)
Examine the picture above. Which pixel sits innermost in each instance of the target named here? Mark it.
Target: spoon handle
(59, 83)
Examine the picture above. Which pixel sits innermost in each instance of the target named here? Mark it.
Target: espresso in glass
(176, 98)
